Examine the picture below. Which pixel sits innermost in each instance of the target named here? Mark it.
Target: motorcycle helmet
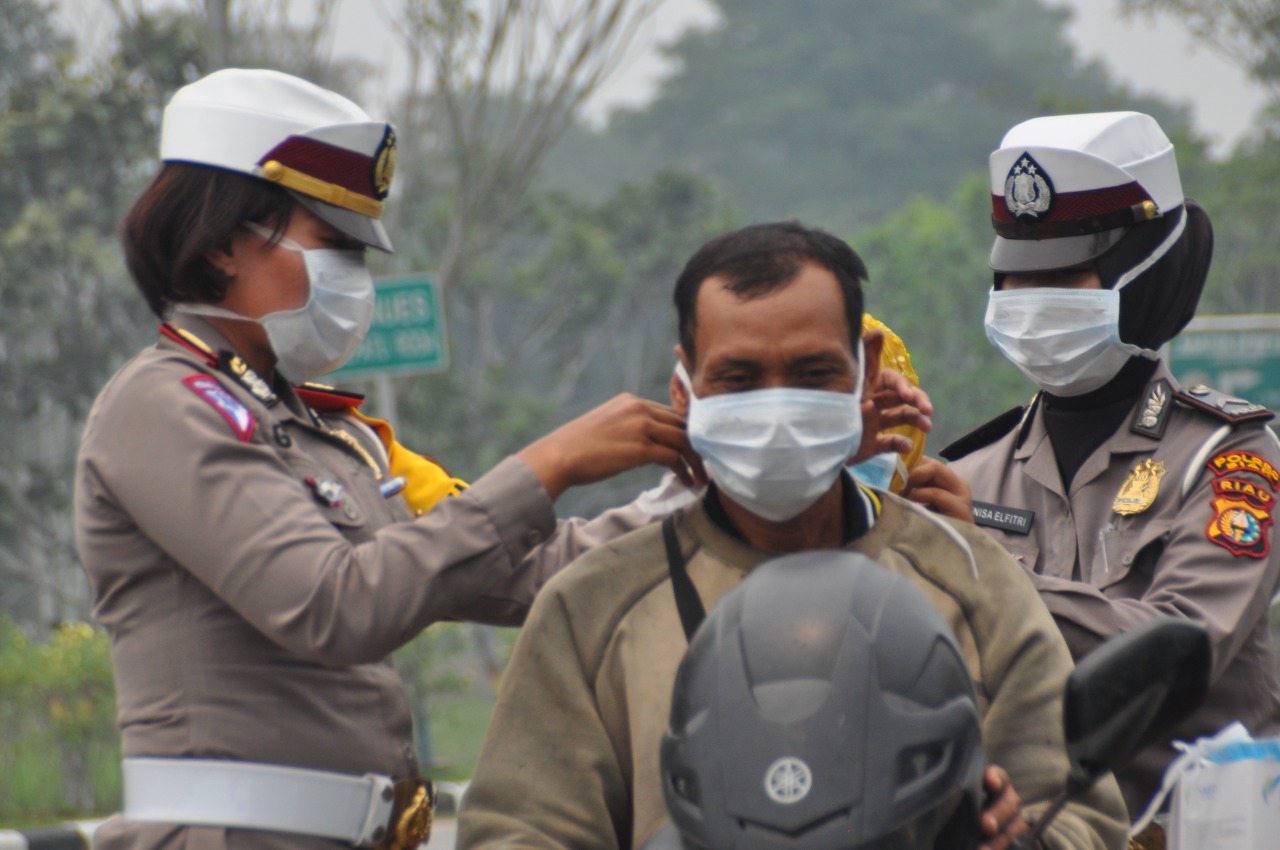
(824, 704)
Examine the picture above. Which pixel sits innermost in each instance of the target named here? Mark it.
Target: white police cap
(331, 156)
(1066, 188)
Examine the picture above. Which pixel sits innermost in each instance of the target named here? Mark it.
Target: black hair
(760, 258)
(187, 211)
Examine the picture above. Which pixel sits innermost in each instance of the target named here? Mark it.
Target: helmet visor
(1015, 256)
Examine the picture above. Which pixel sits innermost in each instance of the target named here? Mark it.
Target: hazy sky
(1152, 56)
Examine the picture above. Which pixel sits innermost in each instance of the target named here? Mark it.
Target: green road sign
(407, 333)
(1239, 355)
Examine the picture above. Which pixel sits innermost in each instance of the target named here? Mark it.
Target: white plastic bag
(1226, 793)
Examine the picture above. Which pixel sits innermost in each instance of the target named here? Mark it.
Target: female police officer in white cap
(1125, 495)
(252, 545)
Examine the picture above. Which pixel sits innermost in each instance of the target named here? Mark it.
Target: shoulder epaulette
(1225, 407)
(328, 399)
(984, 435)
(189, 341)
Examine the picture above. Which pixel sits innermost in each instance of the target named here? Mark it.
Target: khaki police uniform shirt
(572, 755)
(1197, 544)
(254, 579)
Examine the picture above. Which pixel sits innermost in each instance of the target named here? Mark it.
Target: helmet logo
(788, 780)
(1028, 191)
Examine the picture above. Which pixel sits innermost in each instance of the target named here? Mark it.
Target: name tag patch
(1013, 520)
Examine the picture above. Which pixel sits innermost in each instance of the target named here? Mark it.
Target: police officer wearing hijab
(1124, 494)
(256, 546)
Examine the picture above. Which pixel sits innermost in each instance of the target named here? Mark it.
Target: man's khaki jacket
(571, 759)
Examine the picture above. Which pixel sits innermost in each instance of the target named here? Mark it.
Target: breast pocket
(1129, 555)
(333, 496)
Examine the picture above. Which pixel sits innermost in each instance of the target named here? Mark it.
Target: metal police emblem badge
(384, 163)
(1153, 413)
(327, 491)
(1140, 489)
(788, 780)
(1028, 190)
(1241, 517)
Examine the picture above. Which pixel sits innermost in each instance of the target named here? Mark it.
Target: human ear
(872, 347)
(679, 393)
(223, 258)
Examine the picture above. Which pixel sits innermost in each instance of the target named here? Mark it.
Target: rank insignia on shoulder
(327, 491)
(234, 365)
(239, 417)
(1241, 517)
(1223, 406)
(1140, 489)
(1153, 411)
(1231, 461)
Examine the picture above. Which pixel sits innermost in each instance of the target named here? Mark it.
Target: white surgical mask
(323, 333)
(1066, 340)
(775, 451)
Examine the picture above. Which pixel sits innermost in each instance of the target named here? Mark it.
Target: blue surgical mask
(775, 451)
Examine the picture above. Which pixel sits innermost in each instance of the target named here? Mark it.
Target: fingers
(934, 485)
(621, 434)
(1001, 821)
(894, 383)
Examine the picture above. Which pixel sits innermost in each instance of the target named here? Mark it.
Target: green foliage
(1242, 202)
(838, 112)
(59, 750)
(75, 146)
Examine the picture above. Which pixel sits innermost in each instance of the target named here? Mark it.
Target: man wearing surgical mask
(1124, 495)
(771, 374)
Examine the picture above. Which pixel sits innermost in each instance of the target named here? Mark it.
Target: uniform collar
(1031, 433)
(1033, 449)
(197, 336)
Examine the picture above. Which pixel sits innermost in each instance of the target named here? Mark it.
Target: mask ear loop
(270, 236)
(862, 375)
(682, 375)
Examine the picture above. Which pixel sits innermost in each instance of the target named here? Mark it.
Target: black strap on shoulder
(688, 603)
(984, 435)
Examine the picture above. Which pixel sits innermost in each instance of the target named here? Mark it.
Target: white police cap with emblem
(325, 150)
(1066, 188)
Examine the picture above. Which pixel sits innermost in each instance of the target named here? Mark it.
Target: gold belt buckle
(1151, 838)
(411, 815)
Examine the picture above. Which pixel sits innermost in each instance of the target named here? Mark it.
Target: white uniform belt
(248, 795)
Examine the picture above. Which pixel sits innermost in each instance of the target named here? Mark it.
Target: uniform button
(1127, 559)
(532, 537)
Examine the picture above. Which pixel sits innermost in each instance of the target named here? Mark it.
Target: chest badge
(1140, 489)
(327, 491)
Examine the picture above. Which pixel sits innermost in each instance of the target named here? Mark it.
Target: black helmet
(824, 703)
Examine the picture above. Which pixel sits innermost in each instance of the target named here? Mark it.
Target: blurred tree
(493, 85)
(838, 112)
(73, 145)
(1244, 32)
